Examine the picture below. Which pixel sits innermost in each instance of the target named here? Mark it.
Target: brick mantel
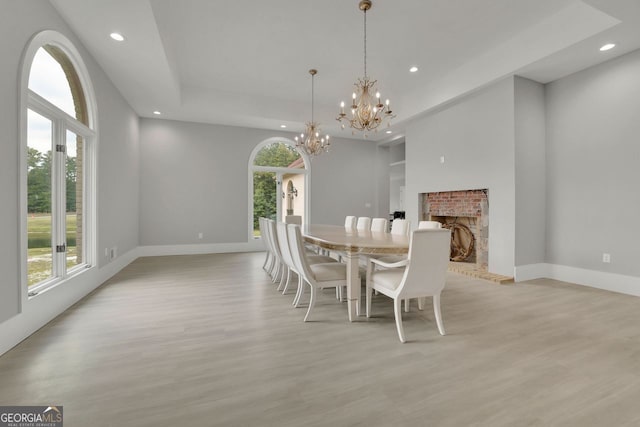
(456, 203)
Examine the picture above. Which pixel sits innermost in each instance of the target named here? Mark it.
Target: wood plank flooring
(206, 340)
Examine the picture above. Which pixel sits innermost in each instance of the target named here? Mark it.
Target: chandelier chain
(365, 44)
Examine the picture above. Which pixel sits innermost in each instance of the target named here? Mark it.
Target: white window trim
(30, 100)
(278, 170)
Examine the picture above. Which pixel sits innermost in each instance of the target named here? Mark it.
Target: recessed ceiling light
(413, 69)
(607, 46)
(117, 37)
(157, 113)
(389, 131)
(283, 126)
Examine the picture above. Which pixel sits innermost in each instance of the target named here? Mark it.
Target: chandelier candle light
(367, 111)
(312, 143)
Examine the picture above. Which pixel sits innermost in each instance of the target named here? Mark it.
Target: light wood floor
(207, 341)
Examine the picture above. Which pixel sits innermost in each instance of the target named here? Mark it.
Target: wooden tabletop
(339, 238)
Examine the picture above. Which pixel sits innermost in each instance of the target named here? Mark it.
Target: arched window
(58, 146)
(273, 162)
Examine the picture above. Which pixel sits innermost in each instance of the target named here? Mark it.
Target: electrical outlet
(442, 159)
(113, 253)
(606, 258)
(200, 235)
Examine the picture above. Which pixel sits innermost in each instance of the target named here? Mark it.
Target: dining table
(351, 244)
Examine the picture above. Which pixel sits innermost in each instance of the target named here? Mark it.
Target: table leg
(353, 285)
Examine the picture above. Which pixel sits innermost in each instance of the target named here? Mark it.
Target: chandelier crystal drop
(367, 110)
(310, 141)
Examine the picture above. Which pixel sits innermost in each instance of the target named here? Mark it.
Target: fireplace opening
(466, 214)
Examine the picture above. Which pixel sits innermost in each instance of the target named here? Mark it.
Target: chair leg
(272, 264)
(282, 278)
(286, 283)
(367, 289)
(436, 310)
(406, 305)
(266, 260)
(421, 303)
(397, 309)
(300, 291)
(312, 302)
(276, 273)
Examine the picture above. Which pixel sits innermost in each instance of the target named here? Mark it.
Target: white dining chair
(422, 274)
(263, 237)
(429, 224)
(318, 276)
(293, 219)
(350, 222)
(363, 224)
(379, 225)
(277, 269)
(400, 226)
(268, 243)
(285, 250)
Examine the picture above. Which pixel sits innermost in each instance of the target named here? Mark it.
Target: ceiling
(246, 63)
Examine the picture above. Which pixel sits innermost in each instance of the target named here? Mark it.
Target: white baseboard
(530, 271)
(613, 282)
(212, 248)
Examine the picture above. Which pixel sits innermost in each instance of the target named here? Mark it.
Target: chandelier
(367, 111)
(312, 144)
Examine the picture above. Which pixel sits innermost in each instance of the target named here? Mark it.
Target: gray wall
(476, 136)
(117, 174)
(593, 147)
(194, 178)
(530, 170)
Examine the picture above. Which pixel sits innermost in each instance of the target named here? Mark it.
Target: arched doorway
(278, 182)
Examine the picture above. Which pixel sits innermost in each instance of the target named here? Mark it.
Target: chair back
(429, 224)
(296, 246)
(428, 262)
(283, 241)
(379, 225)
(273, 239)
(363, 224)
(350, 222)
(293, 219)
(400, 226)
(262, 232)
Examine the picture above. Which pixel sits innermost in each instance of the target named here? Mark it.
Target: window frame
(279, 171)
(61, 123)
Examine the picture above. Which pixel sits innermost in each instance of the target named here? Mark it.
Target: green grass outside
(39, 260)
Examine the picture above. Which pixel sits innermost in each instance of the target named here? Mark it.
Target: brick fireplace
(469, 208)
